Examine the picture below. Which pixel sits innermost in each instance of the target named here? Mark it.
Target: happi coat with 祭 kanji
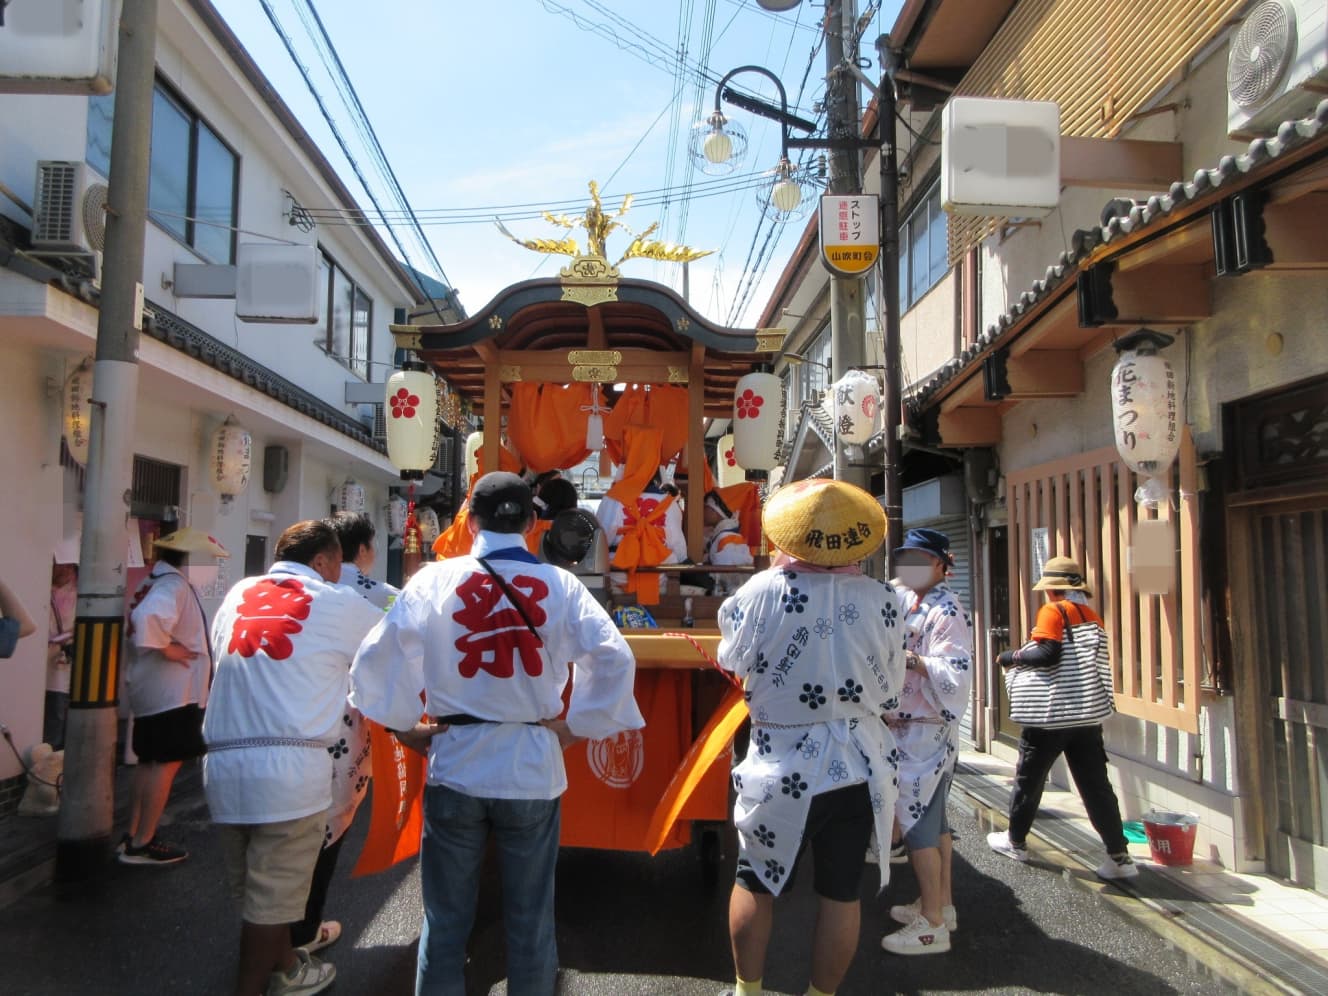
(454, 635)
(821, 656)
(284, 643)
(926, 722)
(164, 609)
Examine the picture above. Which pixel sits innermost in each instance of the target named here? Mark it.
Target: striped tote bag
(1075, 691)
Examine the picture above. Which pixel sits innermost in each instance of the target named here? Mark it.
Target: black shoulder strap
(1065, 618)
(511, 597)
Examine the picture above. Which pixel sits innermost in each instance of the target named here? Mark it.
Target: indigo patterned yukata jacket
(821, 655)
(926, 722)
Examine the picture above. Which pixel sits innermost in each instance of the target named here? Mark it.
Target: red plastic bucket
(1171, 836)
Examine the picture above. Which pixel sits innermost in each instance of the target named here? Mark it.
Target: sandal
(328, 933)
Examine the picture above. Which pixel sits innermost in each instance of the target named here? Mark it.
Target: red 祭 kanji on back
(265, 617)
(496, 636)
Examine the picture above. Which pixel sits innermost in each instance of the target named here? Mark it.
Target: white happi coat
(453, 634)
(726, 546)
(283, 642)
(926, 723)
(166, 608)
(380, 593)
(821, 655)
(611, 516)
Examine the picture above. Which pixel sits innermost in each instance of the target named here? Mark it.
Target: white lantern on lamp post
(76, 412)
(1146, 411)
(232, 459)
(857, 399)
(411, 407)
(758, 409)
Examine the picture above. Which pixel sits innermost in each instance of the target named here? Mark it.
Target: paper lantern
(396, 515)
(231, 460)
(350, 497)
(78, 412)
(1146, 413)
(727, 469)
(758, 409)
(411, 410)
(857, 399)
(427, 520)
(474, 442)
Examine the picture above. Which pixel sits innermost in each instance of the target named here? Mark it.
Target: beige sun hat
(823, 522)
(190, 540)
(1062, 574)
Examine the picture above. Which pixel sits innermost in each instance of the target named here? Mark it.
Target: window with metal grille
(155, 489)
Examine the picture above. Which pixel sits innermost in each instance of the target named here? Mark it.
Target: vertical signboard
(850, 233)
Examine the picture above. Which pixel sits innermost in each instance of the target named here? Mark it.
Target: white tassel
(595, 424)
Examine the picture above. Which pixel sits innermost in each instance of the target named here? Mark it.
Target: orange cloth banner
(699, 783)
(546, 424)
(663, 408)
(613, 785)
(396, 817)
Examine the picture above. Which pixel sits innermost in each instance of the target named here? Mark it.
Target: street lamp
(719, 144)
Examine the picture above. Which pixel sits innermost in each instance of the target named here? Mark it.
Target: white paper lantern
(427, 520)
(411, 410)
(474, 442)
(231, 459)
(857, 398)
(727, 469)
(396, 515)
(1147, 417)
(351, 498)
(77, 412)
(758, 408)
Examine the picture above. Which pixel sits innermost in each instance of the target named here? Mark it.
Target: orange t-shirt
(1050, 623)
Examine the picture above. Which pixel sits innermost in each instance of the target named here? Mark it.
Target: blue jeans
(456, 828)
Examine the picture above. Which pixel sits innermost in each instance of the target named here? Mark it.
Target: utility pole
(847, 294)
(83, 829)
(892, 399)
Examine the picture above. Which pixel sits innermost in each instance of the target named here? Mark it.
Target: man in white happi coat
(489, 637)
(939, 648)
(356, 532)
(284, 643)
(819, 648)
(170, 666)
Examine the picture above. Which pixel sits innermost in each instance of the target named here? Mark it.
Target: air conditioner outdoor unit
(1277, 67)
(69, 208)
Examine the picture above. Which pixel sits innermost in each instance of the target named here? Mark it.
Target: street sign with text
(850, 233)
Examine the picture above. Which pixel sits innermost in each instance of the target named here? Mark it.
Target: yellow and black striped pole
(94, 679)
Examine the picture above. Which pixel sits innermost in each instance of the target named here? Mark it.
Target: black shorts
(839, 826)
(174, 735)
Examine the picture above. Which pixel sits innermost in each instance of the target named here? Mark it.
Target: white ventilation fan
(1277, 66)
(69, 208)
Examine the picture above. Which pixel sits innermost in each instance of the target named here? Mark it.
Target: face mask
(914, 576)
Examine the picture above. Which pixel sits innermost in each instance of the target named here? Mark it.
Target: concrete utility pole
(847, 294)
(83, 830)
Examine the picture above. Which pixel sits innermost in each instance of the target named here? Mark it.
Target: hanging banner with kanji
(396, 816)
(850, 233)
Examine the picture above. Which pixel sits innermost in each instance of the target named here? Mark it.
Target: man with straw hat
(820, 649)
(1077, 733)
(170, 666)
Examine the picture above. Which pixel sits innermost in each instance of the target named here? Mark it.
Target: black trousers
(307, 929)
(1086, 755)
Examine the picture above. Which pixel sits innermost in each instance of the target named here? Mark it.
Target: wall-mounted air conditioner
(69, 208)
(1277, 67)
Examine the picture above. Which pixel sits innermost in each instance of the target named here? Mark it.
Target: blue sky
(480, 105)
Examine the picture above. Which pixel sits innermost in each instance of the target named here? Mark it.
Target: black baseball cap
(501, 497)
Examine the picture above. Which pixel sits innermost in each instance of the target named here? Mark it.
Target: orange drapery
(546, 424)
(642, 545)
(744, 501)
(396, 807)
(661, 407)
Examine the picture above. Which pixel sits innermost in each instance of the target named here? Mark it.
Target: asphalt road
(627, 924)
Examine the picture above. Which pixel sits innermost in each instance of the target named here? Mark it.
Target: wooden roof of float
(587, 325)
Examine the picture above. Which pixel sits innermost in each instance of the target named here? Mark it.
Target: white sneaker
(918, 938)
(1000, 843)
(913, 910)
(1118, 866)
(309, 976)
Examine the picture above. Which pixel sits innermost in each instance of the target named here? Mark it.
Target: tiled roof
(1262, 151)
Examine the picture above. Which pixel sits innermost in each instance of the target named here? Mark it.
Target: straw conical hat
(829, 523)
(192, 540)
